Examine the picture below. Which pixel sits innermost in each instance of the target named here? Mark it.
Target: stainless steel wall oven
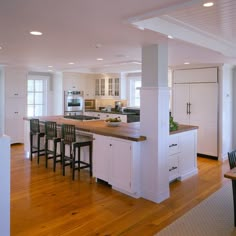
(73, 102)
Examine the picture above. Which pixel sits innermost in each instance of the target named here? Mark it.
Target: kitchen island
(116, 151)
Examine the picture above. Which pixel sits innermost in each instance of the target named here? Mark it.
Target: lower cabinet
(182, 155)
(116, 161)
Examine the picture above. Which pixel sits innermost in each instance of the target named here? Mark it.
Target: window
(36, 95)
(135, 85)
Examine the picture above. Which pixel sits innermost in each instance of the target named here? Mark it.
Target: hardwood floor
(46, 203)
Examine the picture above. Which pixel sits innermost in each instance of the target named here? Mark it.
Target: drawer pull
(173, 145)
(173, 168)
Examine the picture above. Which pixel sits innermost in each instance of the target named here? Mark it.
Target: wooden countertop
(128, 131)
(231, 174)
(183, 128)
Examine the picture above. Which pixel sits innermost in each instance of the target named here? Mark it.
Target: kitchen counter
(183, 128)
(128, 131)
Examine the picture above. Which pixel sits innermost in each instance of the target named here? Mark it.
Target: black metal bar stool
(51, 151)
(36, 139)
(69, 140)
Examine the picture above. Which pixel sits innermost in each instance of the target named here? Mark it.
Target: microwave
(90, 104)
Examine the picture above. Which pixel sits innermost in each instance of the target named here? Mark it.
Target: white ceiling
(80, 31)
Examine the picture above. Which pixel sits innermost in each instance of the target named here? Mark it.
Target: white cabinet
(15, 103)
(15, 83)
(112, 87)
(117, 162)
(182, 155)
(101, 157)
(197, 104)
(14, 119)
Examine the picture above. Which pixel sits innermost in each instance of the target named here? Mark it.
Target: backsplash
(109, 102)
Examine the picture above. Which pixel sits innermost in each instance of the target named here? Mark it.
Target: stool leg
(54, 155)
(31, 147)
(73, 164)
(38, 146)
(46, 153)
(90, 159)
(63, 159)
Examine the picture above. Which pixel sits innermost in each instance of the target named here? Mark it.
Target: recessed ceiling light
(99, 59)
(71, 63)
(36, 33)
(186, 63)
(50, 70)
(208, 4)
(50, 66)
(170, 37)
(0, 47)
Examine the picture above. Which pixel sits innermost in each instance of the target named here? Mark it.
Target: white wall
(2, 99)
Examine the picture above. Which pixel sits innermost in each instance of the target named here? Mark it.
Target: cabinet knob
(110, 144)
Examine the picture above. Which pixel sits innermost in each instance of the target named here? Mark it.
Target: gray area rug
(212, 217)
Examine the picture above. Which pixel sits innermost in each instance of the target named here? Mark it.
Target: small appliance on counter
(118, 105)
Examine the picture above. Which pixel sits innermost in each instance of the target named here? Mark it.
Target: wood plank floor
(47, 203)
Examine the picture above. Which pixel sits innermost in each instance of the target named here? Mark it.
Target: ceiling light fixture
(170, 37)
(37, 33)
(186, 63)
(50, 66)
(0, 47)
(71, 63)
(208, 4)
(99, 59)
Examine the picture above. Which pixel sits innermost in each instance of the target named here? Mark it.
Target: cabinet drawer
(173, 167)
(174, 144)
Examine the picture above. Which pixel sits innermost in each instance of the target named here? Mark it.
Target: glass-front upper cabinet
(108, 87)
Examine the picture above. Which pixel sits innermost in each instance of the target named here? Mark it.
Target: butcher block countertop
(128, 131)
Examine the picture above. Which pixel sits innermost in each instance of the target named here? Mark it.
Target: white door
(203, 113)
(180, 103)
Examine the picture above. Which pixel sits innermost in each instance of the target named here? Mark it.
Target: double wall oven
(73, 102)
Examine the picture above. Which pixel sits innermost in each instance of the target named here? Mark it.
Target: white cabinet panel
(117, 161)
(182, 155)
(201, 75)
(121, 165)
(14, 125)
(15, 83)
(197, 104)
(101, 157)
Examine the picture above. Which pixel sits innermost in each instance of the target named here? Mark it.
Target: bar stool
(36, 139)
(69, 140)
(51, 150)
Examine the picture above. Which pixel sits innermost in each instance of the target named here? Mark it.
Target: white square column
(154, 122)
(5, 185)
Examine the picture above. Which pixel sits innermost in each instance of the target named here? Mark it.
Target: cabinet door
(173, 165)
(14, 124)
(188, 155)
(180, 103)
(101, 157)
(16, 83)
(121, 165)
(204, 109)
